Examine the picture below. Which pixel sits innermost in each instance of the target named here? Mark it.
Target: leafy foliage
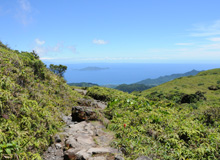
(58, 69)
(31, 101)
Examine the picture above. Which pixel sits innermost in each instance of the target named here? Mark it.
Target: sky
(113, 31)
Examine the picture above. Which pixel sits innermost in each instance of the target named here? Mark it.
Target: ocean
(119, 73)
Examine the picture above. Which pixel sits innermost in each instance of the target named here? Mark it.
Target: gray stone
(98, 158)
(99, 150)
(83, 154)
(72, 143)
(119, 157)
(58, 146)
(86, 141)
(81, 91)
(143, 158)
(57, 138)
(70, 154)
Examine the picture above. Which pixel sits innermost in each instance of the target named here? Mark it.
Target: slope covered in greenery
(163, 79)
(32, 99)
(133, 87)
(206, 82)
(164, 128)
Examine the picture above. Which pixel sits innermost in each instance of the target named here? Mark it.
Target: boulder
(83, 113)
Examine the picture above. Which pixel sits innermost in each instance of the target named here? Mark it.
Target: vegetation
(179, 119)
(133, 87)
(167, 78)
(32, 99)
(58, 69)
(157, 122)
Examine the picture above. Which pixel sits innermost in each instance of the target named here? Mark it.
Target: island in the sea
(93, 69)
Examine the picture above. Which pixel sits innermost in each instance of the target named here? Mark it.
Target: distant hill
(83, 84)
(206, 82)
(133, 87)
(163, 79)
(110, 85)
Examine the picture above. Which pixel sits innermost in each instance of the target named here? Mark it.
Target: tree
(58, 69)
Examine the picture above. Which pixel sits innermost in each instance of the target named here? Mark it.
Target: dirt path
(84, 137)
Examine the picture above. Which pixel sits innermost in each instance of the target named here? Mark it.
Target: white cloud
(207, 30)
(44, 50)
(211, 47)
(72, 48)
(24, 12)
(214, 39)
(184, 44)
(39, 42)
(99, 41)
(25, 5)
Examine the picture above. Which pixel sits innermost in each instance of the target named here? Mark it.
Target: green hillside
(164, 79)
(176, 120)
(156, 124)
(133, 87)
(32, 99)
(203, 82)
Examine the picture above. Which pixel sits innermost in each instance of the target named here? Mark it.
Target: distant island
(93, 69)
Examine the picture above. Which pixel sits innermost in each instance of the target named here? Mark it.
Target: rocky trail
(84, 137)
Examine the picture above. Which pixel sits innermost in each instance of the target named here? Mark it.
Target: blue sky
(114, 31)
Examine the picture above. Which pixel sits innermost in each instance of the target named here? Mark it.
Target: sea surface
(119, 73)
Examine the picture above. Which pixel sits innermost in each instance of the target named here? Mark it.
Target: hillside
(155, 123)
(163, 79)
(133, 87)
(179, 119)
(32, 99)
(206, 82)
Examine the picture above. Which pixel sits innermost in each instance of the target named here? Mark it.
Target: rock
(50, 150)
(58, 146)
(72, 143)
(81, 91)
(59, 153)
(82, 154)
(82, 113)
(99, 150)
(86, 141)
(119, 157)
(85, 102)
(57, 138)
(143, 158)
(98, 158)
(214, 88)
(70, 154)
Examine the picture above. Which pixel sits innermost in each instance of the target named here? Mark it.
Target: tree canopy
(58, 69)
